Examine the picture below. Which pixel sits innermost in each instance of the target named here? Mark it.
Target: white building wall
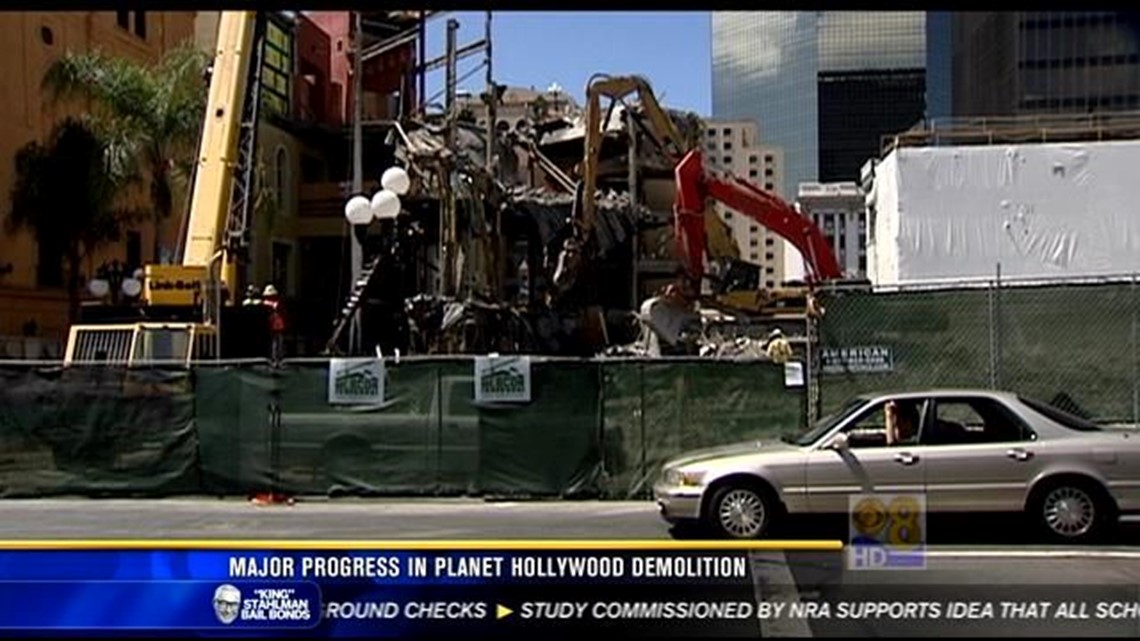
(1042, 211)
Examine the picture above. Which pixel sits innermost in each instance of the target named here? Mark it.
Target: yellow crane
(182, 304)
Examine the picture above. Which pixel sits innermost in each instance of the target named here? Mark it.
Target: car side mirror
(839, 443)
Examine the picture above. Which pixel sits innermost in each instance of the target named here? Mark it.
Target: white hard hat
(270, 290)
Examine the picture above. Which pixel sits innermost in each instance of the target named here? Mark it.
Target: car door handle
(906, 459)
(1019, 454)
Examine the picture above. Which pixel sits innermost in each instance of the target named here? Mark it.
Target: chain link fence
(1074, 344)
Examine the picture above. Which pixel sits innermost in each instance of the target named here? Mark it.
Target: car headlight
(684, 477)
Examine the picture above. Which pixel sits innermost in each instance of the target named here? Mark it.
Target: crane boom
(219, 152)
(174, 298)
(217, 156)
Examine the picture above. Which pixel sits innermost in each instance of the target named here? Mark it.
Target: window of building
(771, 284)
(727, 145)
(728, 215)
(768, 172)
(312, 169)
(753, 243)
(753, 256)
(768, 159)
(134, 249)
(728, 160)
(752, 159)
(711, 146)
(768, 242)
(769, 186)
(769, 256)
(49, 267)
(282, 176)
(281, 254)
(753, 228)
(712, 133)
(726, 131)
(752, 173)
(140, 24)
(277, 73)
(769, 270)
(46, 36)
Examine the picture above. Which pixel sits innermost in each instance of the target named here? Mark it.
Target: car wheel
(1072, 511)
(740, 512)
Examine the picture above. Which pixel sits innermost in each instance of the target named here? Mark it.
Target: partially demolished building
(473, 259)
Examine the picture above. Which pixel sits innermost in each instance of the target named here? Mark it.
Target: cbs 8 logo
(896, 523)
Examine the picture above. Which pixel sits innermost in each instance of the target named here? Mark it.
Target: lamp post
(113, 280)
(360, 211)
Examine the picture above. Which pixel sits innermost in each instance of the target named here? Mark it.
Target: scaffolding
(1043, 128)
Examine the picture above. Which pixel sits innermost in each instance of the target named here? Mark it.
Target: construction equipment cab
(184, 306)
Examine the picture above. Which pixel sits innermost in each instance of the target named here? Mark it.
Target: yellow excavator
(182, 305)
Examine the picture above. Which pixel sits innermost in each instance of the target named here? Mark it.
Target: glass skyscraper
(1033, 62)
(823, 85)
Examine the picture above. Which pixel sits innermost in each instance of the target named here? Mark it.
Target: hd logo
(887, 532)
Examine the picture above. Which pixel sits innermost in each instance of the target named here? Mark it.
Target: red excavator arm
(695, 187)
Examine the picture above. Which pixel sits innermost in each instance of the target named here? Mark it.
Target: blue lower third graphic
(865, 553)
(157, 605)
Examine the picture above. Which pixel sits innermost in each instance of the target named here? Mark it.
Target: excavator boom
(664, 132)
(695, 187)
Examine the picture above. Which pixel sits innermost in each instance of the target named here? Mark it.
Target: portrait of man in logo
(227, 603)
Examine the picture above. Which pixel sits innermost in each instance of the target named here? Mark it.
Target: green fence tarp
(422, 440)
(233, 406)
(550, 446)
(239, 429)
(1080, 341)
(106, 431)
(657, 410)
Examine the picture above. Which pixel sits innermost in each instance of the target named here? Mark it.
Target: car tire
(740, 511)
(1072, 511)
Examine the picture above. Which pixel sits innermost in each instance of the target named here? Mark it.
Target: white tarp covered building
(1042, 211)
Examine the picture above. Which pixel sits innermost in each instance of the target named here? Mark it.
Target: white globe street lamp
(98, 287)
(396, 180)
(385, 204)
(132, 287)
(358, 210)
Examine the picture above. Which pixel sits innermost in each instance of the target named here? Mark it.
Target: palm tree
(150, 116)
(65, 193)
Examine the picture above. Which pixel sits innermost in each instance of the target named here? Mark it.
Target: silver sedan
(964, 450)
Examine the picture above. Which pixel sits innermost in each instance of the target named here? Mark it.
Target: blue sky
(533, 48)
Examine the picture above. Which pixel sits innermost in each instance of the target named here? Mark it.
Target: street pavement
(378, 519)
(972, 554)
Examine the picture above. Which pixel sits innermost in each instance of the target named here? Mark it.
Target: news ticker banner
(383, 588)
(517, 590)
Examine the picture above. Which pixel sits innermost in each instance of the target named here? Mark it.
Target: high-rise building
(825, 85)
(1032, 62)
(732, 146)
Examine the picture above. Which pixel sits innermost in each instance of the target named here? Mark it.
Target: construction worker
(272, 300)
(778, 348)
(252, 296)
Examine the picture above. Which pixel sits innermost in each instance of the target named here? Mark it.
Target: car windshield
(1060, 416)
(825, 424)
